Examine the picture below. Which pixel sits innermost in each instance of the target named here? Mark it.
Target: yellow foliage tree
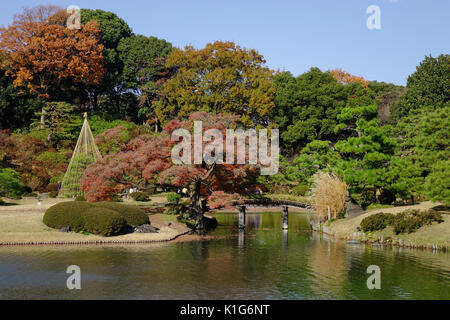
(221, 78)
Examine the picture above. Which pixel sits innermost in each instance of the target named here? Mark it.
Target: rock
(65, 229)
(146, 228)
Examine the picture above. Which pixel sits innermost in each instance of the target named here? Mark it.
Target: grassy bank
(435, 236)
(22, 224)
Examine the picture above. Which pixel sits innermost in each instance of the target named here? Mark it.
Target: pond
(261, 263)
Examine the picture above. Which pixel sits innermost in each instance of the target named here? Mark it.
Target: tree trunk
(195, 208)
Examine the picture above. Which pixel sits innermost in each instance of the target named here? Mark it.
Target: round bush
(103, 221)
(66, 214)
(377, 222)
(133, 216)
(411, 220)
(79, 216)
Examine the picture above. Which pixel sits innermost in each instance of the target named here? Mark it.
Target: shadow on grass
(3, 203)
(441, 208)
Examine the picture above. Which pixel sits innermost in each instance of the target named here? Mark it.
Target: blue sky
(292, 35)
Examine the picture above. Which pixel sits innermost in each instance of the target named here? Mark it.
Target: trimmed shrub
(411, 220)
(430, 216)
(133, 216)
(80, 198)
(103, 218)
(405, 222)
(103, 221)
(66, 214)
(139, 196)
(377, 222)
(173, 198)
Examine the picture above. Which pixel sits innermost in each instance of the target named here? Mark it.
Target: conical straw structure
(85, 153)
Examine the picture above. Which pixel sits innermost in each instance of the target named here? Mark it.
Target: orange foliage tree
(345, 78)
(41, 54)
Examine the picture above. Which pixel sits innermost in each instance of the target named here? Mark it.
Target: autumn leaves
(42, 55)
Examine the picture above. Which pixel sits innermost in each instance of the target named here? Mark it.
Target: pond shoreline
(21, 225)
(434, 237)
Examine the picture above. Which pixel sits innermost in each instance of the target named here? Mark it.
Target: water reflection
(262, 262)
(285, 238)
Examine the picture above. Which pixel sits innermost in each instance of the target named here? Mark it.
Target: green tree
(437, 183)
(428, 86)
(144, 71)
(112, 30)
(285, 98)
(424, 143)
(315, 156)
(16, 110)
(365, 154)
(308, 106)
(59, 119)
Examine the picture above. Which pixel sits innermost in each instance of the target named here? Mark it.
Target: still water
(263, 263)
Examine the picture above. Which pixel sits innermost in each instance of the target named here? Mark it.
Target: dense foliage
(221, 78)
(388, 143)
(429, 86)
(308, 106)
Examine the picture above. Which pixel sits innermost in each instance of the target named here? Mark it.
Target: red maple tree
(146, 161)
